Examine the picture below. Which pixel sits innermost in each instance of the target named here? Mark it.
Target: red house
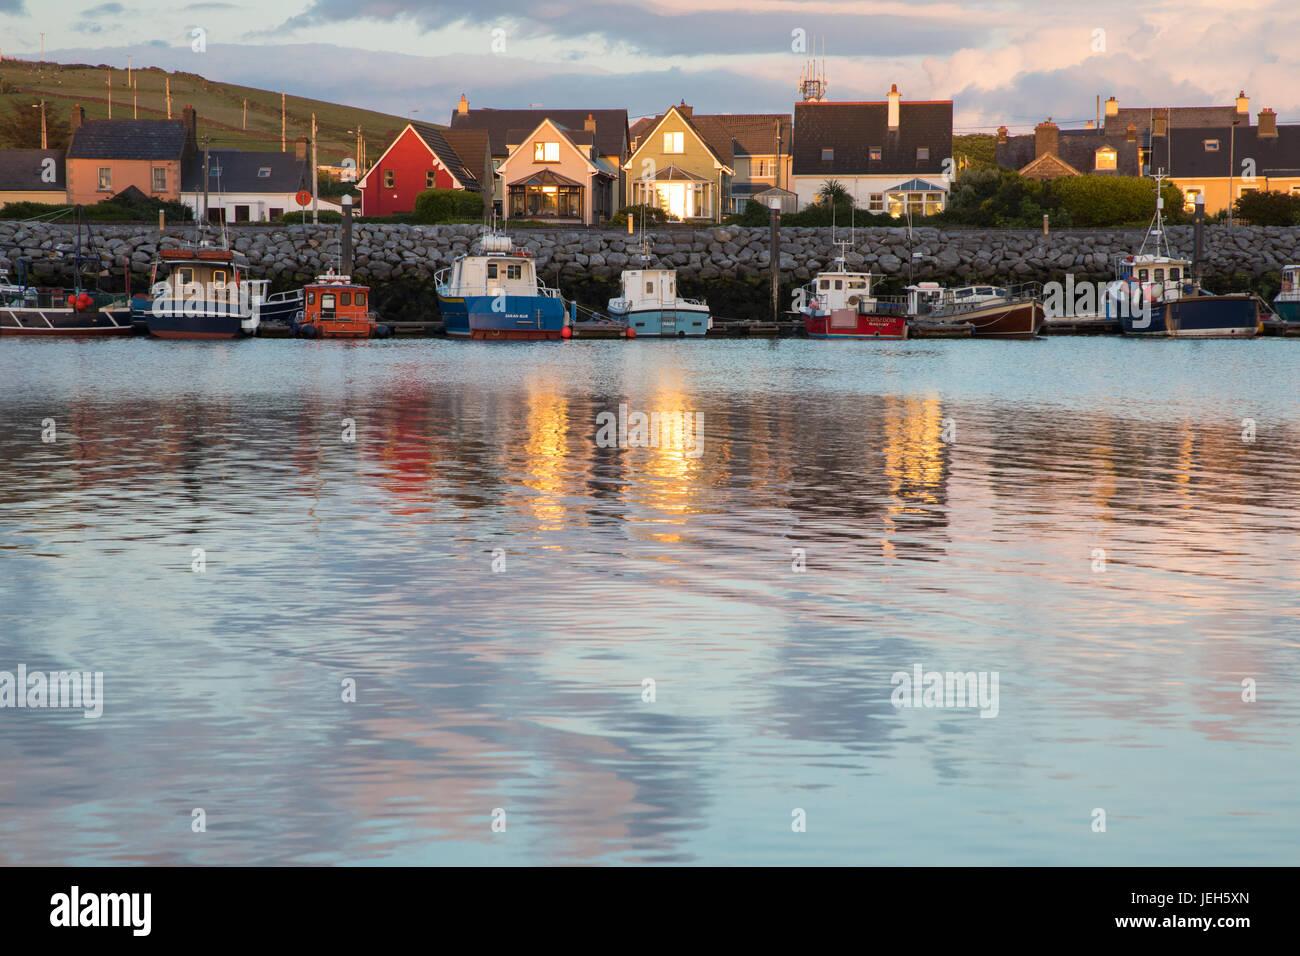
(423, 157)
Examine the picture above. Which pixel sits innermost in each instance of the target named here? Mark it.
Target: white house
(248, 186)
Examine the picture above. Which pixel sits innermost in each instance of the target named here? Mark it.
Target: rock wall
(412, 254)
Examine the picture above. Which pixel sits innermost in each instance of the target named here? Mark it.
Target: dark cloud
(103, 10)
(714, 32)
(11, 6)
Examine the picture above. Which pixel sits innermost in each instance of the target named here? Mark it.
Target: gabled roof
(128, 139)
(1184, 155)
(452, 160)
(1077, 148)
(22, 169)
(241, 171)
(584, 152)
(721, 155)
(611, 125)
(545, 177)
(745, 134)
(851, 130)
(1180, 117)
(472, 146)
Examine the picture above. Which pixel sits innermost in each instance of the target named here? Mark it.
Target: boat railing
(889, 305)
(1005, 295)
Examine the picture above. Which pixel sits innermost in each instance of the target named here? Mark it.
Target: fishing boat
(494, 292)
(1157, 293)
(280, 308)
(335, 307)
(1287, 302)
(82, 309)
(839, 304)
(649, 304)
(200, 293)
(996, 312)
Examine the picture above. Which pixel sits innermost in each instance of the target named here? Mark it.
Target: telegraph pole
(169, 97)
(205, 179)
(109, 81)
(282, 149)
(315, 177)
(44, 140)
(135, 100)
(245, 114)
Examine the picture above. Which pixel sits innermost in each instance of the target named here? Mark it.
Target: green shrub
(1267, 208)
(323, 215)
(1112, 200)
(448, 205)
(650, 215)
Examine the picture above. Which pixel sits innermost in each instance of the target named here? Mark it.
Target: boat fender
(308, 331)
(566, 332)
(631, 332)
(382, 331)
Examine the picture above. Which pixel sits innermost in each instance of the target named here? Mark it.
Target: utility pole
(205, 179)
(128, 69)
(245, 114)
(775, 261)
(315, 177)
(360, 159)
(282, 149)
(44, 139)
(42, 50)
(135, 100)
(169, 97)
(109, 82)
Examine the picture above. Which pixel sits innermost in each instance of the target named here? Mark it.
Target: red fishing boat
(839, 304)
(335, 307)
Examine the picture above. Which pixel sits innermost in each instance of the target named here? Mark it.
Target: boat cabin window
(984, 290)
(311, 298)
(219, 277)
(825, 284)
(1160, 275)
(857, 284)
(649, 288)
(964, 293)
(345, 298)
(1144, 274)
(1173, 274)
(492, 270)
(361, 298)
(187, 276)
(514, 271)
(327, 300)
(670, 286)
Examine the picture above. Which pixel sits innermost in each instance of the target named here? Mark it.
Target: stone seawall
(412, 254)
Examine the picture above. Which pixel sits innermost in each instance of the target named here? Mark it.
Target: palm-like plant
(833, 193)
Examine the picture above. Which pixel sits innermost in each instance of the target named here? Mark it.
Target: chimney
(1161, 127)
(590, 124)
(894, 98)
(1131, 134)
(1243, 105)
(190, 121)
(78, 116)
(300, 148)
(1091, 124)
(1046, 139)
(1112, 107)
(1002, 134)
(684, 109)
(463, 106)
(1267, 124)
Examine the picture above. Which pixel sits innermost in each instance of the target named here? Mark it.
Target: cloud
(103, 10)
(11, 6)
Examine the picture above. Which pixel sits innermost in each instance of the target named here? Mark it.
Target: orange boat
(335, 307)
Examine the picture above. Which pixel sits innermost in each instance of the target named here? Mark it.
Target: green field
(220, 107)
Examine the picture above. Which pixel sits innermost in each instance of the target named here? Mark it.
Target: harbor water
(407, 602)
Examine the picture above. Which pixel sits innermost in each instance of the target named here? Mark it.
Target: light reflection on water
(522, 689)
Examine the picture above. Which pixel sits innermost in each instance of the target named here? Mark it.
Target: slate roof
(611, 125)
(730, 134)
(1078, 148)
(852, 129)
(1185, 155)
(475, 152)
(1180, 117)
(239, 172)
(433, 136)
(128, 139)
(22, 169)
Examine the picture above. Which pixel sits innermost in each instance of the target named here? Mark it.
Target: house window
(558, 202)
(241, 214)
(546, 152)
(431, 179)
(763, 168)
(105, 179)
(160, 179)
(1211, 145)
(1189, 197)
(390, 179)
(1246, 189)
(674, 142)
(1106, 158)
(277, 212)
(923, 154)
(877, 153)
(264, 172)
(827, 154)
(876, 202)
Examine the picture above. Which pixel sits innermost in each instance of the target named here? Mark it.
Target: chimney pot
(1002, 134)
(590, 124)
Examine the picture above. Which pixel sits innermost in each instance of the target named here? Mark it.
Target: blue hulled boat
(200, 293)
(493, 292)
(650, 305)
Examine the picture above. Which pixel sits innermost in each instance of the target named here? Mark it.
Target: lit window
(546, 152)
(1106, 158)
(105, 177)
(674, 142)
(876, 154)
(1211, 145)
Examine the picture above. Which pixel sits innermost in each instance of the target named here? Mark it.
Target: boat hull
(1198, 317)
(517, 317)
(1288, 310)
(166, 324)
(667, 323)
(25, 321)
(1016, 320)
(848, 323)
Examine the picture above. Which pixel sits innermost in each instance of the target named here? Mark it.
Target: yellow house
(33, 175)
(675, 168)
(1224, 163)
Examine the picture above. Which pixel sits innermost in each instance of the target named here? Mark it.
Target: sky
(1012, 62)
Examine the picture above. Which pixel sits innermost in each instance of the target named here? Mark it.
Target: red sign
(303, 197)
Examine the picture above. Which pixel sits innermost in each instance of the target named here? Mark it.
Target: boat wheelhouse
(1287, 302)
(650, 305)
(494, 292)
(839, 304)
(335, 307)
(201, 294)
(991, 311)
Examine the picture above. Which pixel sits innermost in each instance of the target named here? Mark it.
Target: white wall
(259, 204)
(860, 187)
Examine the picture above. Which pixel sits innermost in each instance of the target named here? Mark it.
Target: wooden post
(347, 235)
(162, 220)
(169, 97)
(315, 179)
(776, 262)
(1045, 232)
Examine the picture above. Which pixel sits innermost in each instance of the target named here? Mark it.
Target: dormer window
(1211, 145)
(264, 172)
(827, 154)
(923, 154)
(546, 152)
(1107, 158)
(876, 154)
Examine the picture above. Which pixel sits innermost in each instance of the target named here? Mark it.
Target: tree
(833, 193)
(21, 128)
(1267, 208)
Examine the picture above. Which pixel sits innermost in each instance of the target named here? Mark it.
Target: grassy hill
(220, 107)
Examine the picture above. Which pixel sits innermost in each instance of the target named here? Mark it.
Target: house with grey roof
(246, 185)
(33, 175)
(105, 156)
